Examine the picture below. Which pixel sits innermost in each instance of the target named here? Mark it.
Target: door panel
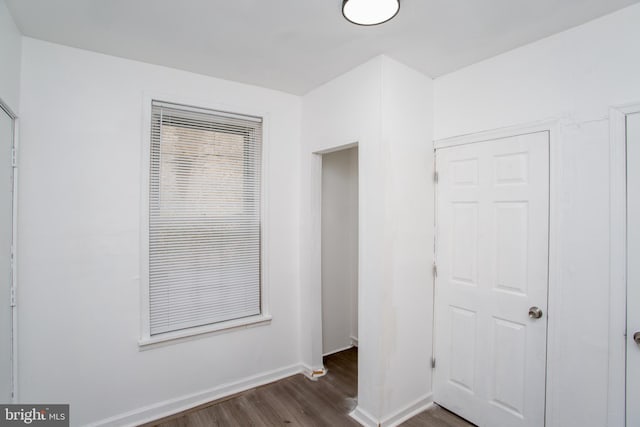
(463, 348)
(6, 232)
(633, 268)
(492, 257)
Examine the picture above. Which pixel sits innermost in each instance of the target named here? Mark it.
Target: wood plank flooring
(436, 417)
(297, 401)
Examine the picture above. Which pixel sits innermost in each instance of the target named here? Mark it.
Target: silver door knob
(535, 313)
(636, 337)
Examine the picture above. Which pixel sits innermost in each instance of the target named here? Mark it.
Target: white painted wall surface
(574, 76)
(407, 132)
(339, 249)
(385, 107)
(10, 51)
(79, 237)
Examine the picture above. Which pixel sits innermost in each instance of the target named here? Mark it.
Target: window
(204, 232)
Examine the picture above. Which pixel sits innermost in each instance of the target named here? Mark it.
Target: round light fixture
(370, 12)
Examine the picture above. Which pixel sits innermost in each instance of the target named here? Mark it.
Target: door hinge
(13, 297)
(14, 159)
(433, 363)
(435, 176)
(435, 270)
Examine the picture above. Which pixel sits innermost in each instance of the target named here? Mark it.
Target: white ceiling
(296, 45)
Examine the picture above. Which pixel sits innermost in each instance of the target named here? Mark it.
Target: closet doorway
(7, 228)
(339, 241)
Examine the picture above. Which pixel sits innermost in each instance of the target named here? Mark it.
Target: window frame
(147, 340)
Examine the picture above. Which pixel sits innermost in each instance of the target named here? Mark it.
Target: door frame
(317, 368)
(616, 401)
(319, 157)
(14, 251)
(554, 296)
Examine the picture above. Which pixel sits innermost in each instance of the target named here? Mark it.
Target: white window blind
(204, 217)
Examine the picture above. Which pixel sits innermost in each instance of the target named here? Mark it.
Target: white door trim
(489, 135)
(616, 400)
(554, 342)
(14, 250)
(317, 368)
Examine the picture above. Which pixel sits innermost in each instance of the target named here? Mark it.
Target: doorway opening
(8, 365)
(339, 253)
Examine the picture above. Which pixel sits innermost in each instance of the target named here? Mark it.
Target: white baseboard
(363, 417)
(174, 406)
(354, 341)
(414, 408)
(337, 351)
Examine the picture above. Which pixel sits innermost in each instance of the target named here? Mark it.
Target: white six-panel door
(633, 269)
(492, 268)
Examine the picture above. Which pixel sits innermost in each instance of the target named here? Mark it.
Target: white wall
(10, 51)
(574, 76)
(339, 249)
(79, 249)
(386, 108)
(407, 134)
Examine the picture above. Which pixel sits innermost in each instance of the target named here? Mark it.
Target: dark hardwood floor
(436, 417)
(297, 401)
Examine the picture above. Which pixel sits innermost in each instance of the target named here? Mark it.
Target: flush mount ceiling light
(370, 12)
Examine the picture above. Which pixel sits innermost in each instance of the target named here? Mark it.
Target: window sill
(198, 332)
